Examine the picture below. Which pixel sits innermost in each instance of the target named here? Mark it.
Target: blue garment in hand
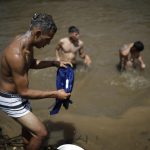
(64, 80)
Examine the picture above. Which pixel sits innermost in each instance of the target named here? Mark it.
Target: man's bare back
(9, 60)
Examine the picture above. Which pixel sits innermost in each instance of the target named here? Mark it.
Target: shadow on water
(64, 130)
(60, 133)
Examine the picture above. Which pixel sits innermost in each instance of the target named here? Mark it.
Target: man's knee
(43, 133)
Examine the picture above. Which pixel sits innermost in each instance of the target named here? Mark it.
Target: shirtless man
(15, 62)
(68, 48)
(130, 56)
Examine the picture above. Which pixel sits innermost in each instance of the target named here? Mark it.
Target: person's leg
(34, 131)
(26, 135)
(129, 65)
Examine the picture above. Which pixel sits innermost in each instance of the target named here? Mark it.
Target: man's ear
(37, 34)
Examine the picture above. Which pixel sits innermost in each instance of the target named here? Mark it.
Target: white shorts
(14, 105)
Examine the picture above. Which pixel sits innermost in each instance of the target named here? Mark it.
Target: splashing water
(132, 81)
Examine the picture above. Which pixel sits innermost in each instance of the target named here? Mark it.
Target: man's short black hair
(139, 45)
(72, 29)
(44, 21)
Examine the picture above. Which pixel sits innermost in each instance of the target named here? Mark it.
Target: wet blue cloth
(64, 80)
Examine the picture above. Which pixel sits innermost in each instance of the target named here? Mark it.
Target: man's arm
(123, 54)
(40, 64)
(58, 48)
(20, 77)
(142, 64)
(123, 60)
(84, 56)
(37, 64)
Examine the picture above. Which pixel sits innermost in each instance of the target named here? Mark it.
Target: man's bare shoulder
(12, 49)
(126, 46)
(13, 52)
(81, 43)
(125, 49)
(65, 39)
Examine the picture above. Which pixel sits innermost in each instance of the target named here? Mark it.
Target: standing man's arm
(58, 48)
(20, 77)
(40, 64)
(85, 57)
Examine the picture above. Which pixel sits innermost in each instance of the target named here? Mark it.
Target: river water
(110, 111)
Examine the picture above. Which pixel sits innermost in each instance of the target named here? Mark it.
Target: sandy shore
(131, 131)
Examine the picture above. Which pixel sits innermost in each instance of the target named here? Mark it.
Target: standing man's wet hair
(139, 45)
(44, 21)
(72, 29)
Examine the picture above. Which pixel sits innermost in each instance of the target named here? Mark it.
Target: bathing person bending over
(130, 55)
(15, 62)
(68, 48)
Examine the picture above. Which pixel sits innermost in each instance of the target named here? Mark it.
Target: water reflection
(105, 26)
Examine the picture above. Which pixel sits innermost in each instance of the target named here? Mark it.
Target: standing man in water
(15, 62)
(130, 56)
(68, 48)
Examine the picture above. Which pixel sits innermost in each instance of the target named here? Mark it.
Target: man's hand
(143, 66)
(87, 60)
(64, 64)
(61, 94)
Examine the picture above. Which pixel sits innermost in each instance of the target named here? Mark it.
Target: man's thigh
(32, 123)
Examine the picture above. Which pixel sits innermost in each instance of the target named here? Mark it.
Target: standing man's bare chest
(70, 47)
